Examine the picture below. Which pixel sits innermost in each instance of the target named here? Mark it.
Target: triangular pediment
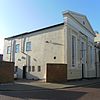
(82, 19)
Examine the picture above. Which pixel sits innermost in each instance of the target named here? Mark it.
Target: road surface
(91, 92)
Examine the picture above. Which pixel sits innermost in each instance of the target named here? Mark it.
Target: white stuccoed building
(70, 42)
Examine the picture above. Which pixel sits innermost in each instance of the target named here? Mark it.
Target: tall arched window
(73, 51)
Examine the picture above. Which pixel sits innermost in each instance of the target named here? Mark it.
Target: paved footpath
(29, 85)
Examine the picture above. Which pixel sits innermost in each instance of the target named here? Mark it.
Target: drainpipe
(11, 51)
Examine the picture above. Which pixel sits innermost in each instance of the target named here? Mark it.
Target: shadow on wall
(22, 74)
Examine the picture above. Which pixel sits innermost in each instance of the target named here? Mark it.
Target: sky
(19, 16)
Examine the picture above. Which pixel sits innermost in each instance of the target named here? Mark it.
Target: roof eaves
(34, 31)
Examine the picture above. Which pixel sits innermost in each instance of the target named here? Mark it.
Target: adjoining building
(97, 54)
(70, 42)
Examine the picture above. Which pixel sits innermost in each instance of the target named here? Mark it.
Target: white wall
(74, 27)
(46, 45)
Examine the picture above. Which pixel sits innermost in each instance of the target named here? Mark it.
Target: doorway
(24, 72)
(82, 71)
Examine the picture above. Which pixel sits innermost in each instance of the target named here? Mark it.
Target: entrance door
(24, 72)
(82, 70)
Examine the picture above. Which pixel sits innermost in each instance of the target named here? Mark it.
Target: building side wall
(47, 47)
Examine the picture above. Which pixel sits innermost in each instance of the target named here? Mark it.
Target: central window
(91, 57)
(82, 49)
(73, 51)
(28, 46)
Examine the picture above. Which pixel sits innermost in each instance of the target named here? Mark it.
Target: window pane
(28, 46)
(33, 68)
(91, 54)
(39, 68)
(8, 49)
(82, 51)
(17, 48)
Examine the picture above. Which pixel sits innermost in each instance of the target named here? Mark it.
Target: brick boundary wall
(6, 72)
(56, 73)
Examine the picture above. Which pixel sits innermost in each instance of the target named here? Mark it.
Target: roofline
(69, 12)
(26, 33)
(83, 25)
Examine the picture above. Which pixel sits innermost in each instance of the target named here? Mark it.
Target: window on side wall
(8, 49)
(17, 48)
(28, 46)
(29, 68)
(73, 51)
(39, 68)
(33, 68)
